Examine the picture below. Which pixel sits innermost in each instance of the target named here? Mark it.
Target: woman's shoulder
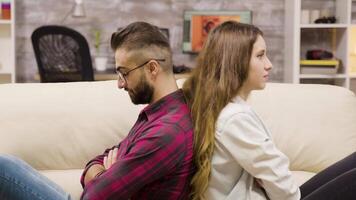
(237, 107)
(238, 119)
(234, 111)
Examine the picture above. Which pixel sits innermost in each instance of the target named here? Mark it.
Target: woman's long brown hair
(222, 67)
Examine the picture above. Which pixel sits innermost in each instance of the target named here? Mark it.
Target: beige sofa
(58, 127)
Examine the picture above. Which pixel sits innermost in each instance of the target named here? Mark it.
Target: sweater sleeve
(251, 147)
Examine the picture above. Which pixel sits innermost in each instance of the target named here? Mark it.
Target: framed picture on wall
(197, 25)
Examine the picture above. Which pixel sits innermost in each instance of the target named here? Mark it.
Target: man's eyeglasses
(123, 75)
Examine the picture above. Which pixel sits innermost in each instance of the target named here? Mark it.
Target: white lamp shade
(78, 9)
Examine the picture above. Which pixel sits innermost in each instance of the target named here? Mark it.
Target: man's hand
(92, 172)
(110, 159)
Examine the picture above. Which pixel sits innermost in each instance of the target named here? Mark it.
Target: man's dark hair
(138, 35)
(141, 36)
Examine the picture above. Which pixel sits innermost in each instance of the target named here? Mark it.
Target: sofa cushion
(67, 179)
(302, 176)
(63, 125)
(314, 125)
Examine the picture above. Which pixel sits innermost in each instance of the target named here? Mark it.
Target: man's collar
(155, 108)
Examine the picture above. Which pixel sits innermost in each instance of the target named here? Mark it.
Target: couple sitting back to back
(200, 142)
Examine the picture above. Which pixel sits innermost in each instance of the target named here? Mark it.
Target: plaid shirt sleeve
(97, 160)
(156, 153)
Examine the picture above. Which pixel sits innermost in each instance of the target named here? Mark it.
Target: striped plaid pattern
(155, 160)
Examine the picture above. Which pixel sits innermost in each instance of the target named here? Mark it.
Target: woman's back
(244, 148)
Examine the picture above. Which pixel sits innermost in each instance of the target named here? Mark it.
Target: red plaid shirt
(155, 160)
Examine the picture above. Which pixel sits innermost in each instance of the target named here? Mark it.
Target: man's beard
(142, 93)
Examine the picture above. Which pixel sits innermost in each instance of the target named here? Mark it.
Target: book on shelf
(319, 66)
(320, 62)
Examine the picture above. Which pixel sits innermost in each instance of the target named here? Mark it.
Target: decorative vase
(100, 63)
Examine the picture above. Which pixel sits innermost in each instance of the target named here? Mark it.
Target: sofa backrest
(64, 125)
(315, 125)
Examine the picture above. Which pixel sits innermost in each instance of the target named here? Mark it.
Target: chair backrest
(62, 54)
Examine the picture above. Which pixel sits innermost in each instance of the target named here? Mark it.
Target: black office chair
(62, 54)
